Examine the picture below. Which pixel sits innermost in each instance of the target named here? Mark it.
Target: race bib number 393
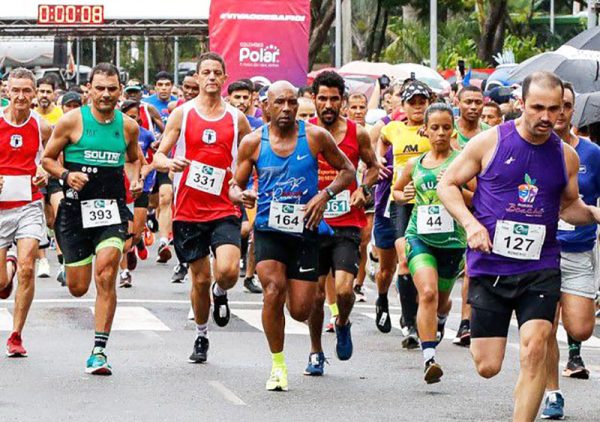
(287, 218)
(205, 178)
(434, 219)
(99, 212)
(519, 240)
(338, 206)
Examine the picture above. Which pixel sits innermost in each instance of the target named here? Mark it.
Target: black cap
(70, 97)
(415, 88)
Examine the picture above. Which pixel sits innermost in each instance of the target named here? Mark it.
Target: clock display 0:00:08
(70, 14)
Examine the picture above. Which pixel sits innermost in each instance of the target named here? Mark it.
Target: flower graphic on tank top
(528, 191)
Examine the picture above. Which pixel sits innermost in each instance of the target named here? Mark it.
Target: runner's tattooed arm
(572, 208)
(160, 161)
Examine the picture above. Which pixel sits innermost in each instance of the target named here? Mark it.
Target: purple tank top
(382, 190)
(522, 183)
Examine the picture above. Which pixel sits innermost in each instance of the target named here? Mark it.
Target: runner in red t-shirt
(205, 132)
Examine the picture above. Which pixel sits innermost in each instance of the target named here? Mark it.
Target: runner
(306, 109)
(92, 218)
(530, 175)
(190, 89)
(467, 125)
(577, 266)
(406, 143)
(205, 133)
(163, 83)
(150, 117)
(290, 209)
(491, 114)
(339, 254)
(240, 96)
(435, 243)
(22, 136)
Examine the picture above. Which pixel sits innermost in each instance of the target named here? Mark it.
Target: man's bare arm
(160, 161)
(237, 192)
(243, 126)
(156, 119)
(59, 139)
(132, 132)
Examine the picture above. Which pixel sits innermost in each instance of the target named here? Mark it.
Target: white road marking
(6, 320)
(227, 393)
(253, 317)
(592, 343)
(136, 318)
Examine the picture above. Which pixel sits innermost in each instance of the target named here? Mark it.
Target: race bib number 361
(287, 218)
(519, 240)
(205, 178)
(99, 212)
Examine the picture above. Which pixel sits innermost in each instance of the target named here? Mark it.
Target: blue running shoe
(97, 365)
(554, 407)
(343, 346)
(316, 364)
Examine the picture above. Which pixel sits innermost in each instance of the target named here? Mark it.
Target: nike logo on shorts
(305, 270)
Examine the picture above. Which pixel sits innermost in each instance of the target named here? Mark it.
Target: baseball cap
(71, 96)
(133, 85)
(262, 94)
(415, 88)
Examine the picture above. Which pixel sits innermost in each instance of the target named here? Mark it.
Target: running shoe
(252, 285)
(343, 345)
(98, 365)
(441, 330)
(411, 340)
(359, 293)
(141, 250)
(125, 279)
(372, 267)
(164, 253)
(179, 273)
(43, 268)
(61, 277)
(576, 369)
(221, 311)
(200, 351)
(278, 379)
(131, 260)
(463, 335)
(330, 327)
(152, 222)
(148, 237)
(382, 316)
(10, 259)
(554, 407)
(433, 372)
(14, 346)
(316, 364)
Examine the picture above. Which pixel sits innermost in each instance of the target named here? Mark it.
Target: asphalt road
(153, 381)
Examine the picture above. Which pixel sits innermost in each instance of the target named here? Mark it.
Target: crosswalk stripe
(136, 318)
(253, 317)
(593, 342)
(6, 320)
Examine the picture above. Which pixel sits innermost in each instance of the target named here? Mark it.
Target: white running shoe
(43, 268)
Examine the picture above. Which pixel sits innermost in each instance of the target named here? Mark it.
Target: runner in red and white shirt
(23, 134)
(205, 133)
(339, 253)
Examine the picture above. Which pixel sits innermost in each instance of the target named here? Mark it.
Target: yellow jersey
(406, 144)
(52, 117)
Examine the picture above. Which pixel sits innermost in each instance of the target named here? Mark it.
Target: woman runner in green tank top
(435, 242)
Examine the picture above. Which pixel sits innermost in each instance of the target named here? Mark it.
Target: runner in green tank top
(91, 220)
(435, 243)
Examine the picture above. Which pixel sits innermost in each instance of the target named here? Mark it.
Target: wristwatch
(64, 176)
(367, 190)
(330, 193)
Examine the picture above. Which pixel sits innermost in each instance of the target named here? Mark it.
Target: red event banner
(261, 38)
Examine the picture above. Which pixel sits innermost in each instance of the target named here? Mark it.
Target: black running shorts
(194, 241)
(340, 252)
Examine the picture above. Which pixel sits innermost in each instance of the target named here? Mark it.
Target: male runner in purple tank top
(526, 178)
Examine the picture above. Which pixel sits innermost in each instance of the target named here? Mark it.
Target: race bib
(563, 225)
(16, 188)
(205, 178)
(339, 205)
(100, 212)
(433, 219)
(519, 240)
(287, 218)
(388, 207)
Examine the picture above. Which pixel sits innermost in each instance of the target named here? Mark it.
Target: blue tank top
(523, 184)
(289, 180)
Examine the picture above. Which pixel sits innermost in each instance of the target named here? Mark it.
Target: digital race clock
(60, 14)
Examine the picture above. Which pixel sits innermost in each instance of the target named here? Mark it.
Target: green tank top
(101, 144)
(425, 181)
(462, 139)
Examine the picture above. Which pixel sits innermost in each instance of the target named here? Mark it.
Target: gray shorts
(22, 222)
(577, 274)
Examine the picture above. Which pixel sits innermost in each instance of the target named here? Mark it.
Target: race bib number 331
(205, 178)
(519, 240)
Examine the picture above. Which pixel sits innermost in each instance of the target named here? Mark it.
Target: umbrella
(580, 67)
(586, 40)
(587, 109)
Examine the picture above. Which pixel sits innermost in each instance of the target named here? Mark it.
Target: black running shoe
(441, 330)
(221, 311)
(179, 274)
(433, 372)
(200, 352)
(576, 369)
(382, 316)
(152, 223)
(411, 340)
(252, 285)
(463, 335)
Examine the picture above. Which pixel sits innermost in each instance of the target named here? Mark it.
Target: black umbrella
(575, 66)
(586, 40)
(587, 109)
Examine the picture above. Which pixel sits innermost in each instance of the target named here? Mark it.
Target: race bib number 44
(519, 240)
(287, 218)
(99, 212)
(205, 178)
(434, 219)
(338, 206)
